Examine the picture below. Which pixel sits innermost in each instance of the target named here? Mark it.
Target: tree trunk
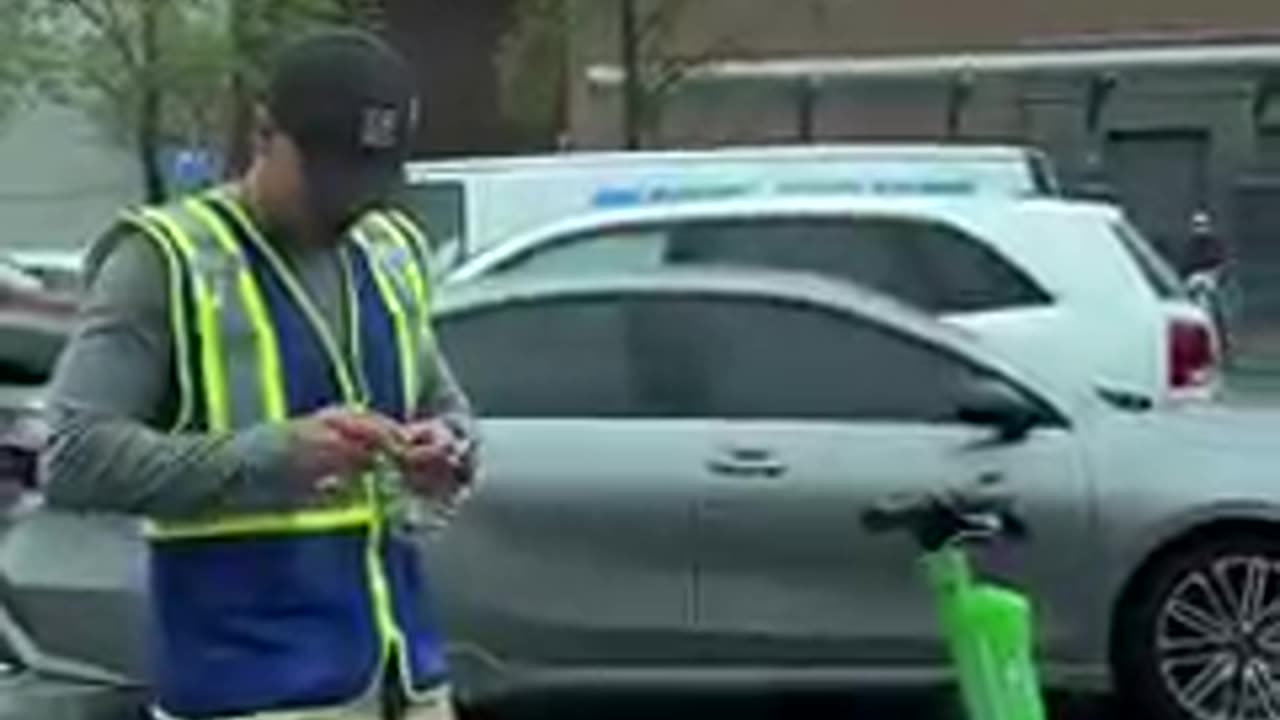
(633, 110)
(148, 139)
(239, 148)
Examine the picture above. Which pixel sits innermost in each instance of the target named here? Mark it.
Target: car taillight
(1192, 355)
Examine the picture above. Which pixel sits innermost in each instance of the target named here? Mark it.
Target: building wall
(754, 28)
(452, 45)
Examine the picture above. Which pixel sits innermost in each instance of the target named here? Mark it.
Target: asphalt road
(940, 706)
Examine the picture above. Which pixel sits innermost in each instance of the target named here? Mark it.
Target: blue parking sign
(191, 168)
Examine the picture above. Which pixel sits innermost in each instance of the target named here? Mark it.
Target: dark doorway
(1161, 178)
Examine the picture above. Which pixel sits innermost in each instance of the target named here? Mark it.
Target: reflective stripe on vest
(418, 273)
(403, 289)
(179, 311)
(228, 303)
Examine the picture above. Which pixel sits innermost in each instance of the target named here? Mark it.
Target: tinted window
(28, 353)
(1043, 174)
(1159, 275)
(614, 249)
(929, 265)
(548, 359)
(725, 358)
(965, 274)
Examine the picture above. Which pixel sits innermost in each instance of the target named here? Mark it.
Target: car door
(808, 416)
(577, 546)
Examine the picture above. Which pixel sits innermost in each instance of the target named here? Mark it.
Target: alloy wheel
(1218, 640)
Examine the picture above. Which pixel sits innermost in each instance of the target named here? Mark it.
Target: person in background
(254, 372)
(1204, 271)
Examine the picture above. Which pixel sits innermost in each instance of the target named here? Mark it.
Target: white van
(472, 204)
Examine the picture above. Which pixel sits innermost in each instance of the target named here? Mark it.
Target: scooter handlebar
(936, 519)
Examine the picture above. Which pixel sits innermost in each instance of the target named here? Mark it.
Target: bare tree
(533, 60)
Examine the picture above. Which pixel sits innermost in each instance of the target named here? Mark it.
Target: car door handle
(747, 462)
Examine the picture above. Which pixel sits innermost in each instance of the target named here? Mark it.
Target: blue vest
(306, 608)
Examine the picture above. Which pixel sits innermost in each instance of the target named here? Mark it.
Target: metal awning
(1245, 57)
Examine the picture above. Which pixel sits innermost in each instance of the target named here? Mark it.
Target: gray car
(675, 465)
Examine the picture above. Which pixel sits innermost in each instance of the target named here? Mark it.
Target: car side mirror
(999, 406)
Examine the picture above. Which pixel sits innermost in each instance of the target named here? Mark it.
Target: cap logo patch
(378, 128)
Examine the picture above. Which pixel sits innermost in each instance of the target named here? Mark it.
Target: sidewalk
(1256, 386)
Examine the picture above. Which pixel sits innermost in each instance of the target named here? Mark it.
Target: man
(1205, 272)
(1204, 250)
(254, 373)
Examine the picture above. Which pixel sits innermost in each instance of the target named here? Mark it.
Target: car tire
(1198, 638)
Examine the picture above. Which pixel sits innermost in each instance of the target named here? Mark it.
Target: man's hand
(337, 443)
(432, 459)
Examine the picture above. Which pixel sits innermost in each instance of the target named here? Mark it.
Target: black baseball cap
(348, 101)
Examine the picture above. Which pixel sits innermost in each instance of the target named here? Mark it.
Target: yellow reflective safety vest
(304, 609)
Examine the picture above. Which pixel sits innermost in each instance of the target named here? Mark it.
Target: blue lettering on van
(616, 197)
(630, 196)
(877, 187)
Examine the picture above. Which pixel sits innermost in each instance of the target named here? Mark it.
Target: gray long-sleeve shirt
(114, 393)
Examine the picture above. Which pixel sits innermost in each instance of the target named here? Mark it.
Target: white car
(1068, 290)
(58, 270)
(469, 204)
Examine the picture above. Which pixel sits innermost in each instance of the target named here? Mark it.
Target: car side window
(926, 264)
(29, 353)
(763, 359)
(967, 275)
(566, 358)
(612, 249)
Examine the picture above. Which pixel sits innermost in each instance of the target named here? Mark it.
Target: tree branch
(656, 20)
(110, 24)
(103, 83)
(672, 70)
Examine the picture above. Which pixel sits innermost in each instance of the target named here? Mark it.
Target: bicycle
(989, 628)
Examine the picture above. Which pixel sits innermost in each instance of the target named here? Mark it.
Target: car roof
(787, 286)
(916, 205)
(970, 213)
(418, 170)
(61, 258)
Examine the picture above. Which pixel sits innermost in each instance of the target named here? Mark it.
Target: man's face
(321, 205)
(321, 194)
(339, 190)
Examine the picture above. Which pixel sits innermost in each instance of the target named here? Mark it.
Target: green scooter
(989, 629)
